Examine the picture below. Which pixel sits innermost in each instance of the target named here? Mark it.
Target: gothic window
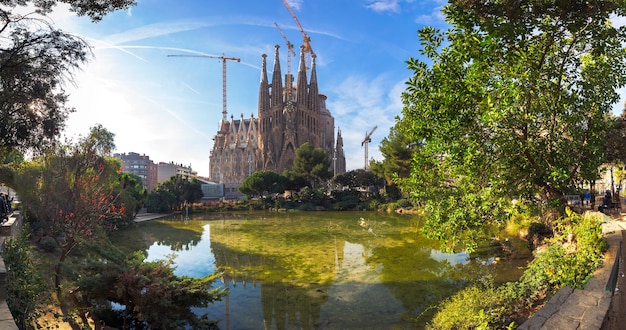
(232, 138)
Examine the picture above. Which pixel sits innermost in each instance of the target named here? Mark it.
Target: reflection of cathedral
(288, 117)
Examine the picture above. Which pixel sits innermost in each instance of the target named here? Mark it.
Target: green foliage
(396, 150)
(509, 102)
(26, 289)
(150, 291)
(173, 194)
(261, 182)
(359, 179)
(312, 163)
(160, 201)
(68, 191)
(574, 253)
(132, 195)
(475, 307)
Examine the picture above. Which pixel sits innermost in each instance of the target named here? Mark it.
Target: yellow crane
(290, 53)
(365, 143)
(307, 40)
(224, 59)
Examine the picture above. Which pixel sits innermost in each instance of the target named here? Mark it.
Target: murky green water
(328, 270)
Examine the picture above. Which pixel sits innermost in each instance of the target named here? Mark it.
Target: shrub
(475, 307)
(570, 259)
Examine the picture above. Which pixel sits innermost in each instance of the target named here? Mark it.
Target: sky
(168, 108)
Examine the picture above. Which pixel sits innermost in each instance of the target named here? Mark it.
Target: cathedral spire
(301, 87)
(277, 84)
(264, 88)
(314, 103)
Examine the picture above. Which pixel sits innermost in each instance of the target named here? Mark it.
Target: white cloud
(384, 6)
(359, 103)
(295, 4)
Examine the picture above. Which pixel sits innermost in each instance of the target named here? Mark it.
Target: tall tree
(510, 101)
(312, 163)
(36, 60)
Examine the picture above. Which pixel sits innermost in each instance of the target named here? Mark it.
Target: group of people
(5, 206)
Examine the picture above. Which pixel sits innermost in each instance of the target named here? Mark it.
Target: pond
(328, 270)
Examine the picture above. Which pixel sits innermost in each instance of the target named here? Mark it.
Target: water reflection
(323, 270)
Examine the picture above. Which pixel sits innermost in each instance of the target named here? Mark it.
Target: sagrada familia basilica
(288, 116)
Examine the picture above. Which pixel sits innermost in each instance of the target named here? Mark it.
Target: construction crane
(365, 143)
(290, 53)
(224, 59)
(307, 40)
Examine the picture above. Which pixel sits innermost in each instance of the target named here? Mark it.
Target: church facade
(288, 116)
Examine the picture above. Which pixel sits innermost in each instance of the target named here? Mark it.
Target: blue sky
(169, 107)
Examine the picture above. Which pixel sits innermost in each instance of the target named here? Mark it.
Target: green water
(322, 270)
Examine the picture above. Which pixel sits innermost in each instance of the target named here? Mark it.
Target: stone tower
(288, 116)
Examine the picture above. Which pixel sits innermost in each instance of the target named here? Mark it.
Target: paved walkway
(144, 216)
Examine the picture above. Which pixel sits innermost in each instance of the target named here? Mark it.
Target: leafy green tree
(510, 101)
(173, 194)
(131, 194)
(295, 181)
(69, 192)
(161, 201)
(396, 150)
(35, 61)
(312, 163)
(261, 182)
(359, 178)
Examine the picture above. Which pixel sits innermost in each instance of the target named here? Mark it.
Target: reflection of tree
(179, 235)
(304, 263)
(433, 280)
(295, 272)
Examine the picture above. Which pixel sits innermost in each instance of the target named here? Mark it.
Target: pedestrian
(4, 216)
(587, 197)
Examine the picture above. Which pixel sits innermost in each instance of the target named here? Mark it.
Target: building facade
(140, 165)
(287, 117)
(167, 170)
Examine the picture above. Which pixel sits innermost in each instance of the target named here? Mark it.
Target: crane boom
(290, 53)
(365, 143)
(224, 59)
(306, 39)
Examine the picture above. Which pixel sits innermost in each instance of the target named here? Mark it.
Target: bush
(570, 259)
(475, 307)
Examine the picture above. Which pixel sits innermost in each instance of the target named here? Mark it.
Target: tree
(510, 101)
(261, 182)
(35, 61)
(173, 194)
(68, 191)
(359, 178)
(131, 194)
(312, 163)
(396, 150)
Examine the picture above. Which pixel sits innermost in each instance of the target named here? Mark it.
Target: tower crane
(365, 143)
(290, 53)
(224, 59)
(307, 40)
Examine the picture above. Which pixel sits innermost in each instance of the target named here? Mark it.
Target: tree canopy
(36, 60)
(511, 100)
(261, 182)
(312, 163)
